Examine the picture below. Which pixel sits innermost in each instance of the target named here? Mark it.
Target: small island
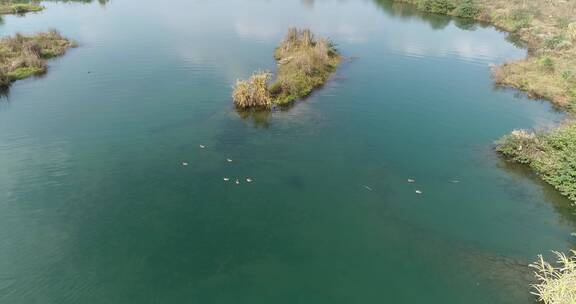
(23, 56)
(304, 64)
(9, 7)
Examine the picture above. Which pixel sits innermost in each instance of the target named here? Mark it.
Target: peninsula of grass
(305, 63)
(18, 7)
(24, 56)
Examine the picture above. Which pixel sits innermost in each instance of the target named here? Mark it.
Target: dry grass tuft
(556, 283)
(571, 31)
(253, 93)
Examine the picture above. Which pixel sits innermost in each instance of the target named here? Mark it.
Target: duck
(237, 182)
(229, 160)
(184, 164)
(202, 146)
(411, 180)
(248, 180)
(418, 192)
(226, 179)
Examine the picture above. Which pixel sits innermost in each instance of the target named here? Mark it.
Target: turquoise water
(96, 206)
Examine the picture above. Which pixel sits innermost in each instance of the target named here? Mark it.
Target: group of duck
(226, 179)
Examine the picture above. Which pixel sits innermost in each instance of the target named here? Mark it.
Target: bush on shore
(552, 155)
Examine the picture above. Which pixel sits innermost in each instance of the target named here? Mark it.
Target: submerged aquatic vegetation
(304, 64)
(556, 283)
(24, 56)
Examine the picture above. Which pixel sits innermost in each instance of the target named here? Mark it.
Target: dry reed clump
(253, 93)
(22, 56)
(556, 283)
(571, 31)
(304, 63)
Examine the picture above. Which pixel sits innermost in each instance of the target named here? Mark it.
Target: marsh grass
(304, 64)
(23, 56)
(556, 282)
(19, 7)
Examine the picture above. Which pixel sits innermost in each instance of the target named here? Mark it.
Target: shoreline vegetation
(23, 56)
(19, 7)
(548, 27)
(556, 282)
(305, 63)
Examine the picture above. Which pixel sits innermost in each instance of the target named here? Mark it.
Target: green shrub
(520, 19)
(442, 6)
(554, 42)
(467, 9)
(552, 155)
(567, 75)
(547, 64)
(436, 6)
(562, 22)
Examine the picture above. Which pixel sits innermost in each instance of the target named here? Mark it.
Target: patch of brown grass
(22, 56)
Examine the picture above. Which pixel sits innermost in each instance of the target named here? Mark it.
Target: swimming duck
(226, 179)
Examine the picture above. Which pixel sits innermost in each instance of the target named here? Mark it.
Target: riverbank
(12, 7)
(24, 56)
(304, 64)
(549, 30)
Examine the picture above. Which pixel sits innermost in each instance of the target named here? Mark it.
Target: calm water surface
(95, 206)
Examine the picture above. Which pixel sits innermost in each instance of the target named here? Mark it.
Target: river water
(97, 207)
